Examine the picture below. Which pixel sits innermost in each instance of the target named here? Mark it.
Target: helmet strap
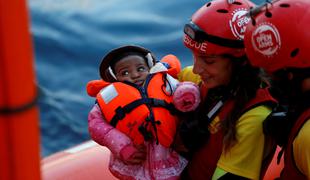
(150, 60)
(112, 73)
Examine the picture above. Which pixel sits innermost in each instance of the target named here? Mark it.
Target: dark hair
(246, 80)
(116, 54)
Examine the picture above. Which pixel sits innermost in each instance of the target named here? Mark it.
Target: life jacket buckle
(158, 103)
(145, 133)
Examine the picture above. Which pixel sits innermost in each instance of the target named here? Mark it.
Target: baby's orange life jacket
(143, 113)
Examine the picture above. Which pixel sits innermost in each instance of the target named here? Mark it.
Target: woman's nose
(197, 69)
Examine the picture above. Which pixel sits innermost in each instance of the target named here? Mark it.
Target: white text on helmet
(264, 40)
(202, 47)
(238, 22)
(242, 22)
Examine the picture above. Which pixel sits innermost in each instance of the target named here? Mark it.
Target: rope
(14, 110)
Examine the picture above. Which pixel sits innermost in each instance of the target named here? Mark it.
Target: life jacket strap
(8, 110)
(120, 112)
(147, 135)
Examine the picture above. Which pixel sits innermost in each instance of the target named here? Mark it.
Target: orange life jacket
(143, 113)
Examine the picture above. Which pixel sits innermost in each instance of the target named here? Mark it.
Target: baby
(135, 102)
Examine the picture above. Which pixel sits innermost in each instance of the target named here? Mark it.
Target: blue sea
(71, 36)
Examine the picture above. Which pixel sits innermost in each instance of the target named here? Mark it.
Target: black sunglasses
(198, 35)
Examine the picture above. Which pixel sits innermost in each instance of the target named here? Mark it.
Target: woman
(229, 124)
(290, 58)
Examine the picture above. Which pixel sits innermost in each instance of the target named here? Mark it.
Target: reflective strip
(158, 67)
(108, 93)
(215, 109)
(173, 84)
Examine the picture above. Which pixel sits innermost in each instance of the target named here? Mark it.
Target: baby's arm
(117, 142)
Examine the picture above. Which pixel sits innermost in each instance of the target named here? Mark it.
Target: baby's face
(131, 68)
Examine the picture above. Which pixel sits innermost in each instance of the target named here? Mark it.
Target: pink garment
(161, 163)
(186, 96)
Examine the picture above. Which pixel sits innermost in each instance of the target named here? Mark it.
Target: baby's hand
(133, 154)
(186, 96)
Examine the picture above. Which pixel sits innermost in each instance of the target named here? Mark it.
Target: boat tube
(90, 160)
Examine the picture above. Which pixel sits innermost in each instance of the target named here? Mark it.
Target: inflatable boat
(90, 161)
(19, 117)
(85, 161)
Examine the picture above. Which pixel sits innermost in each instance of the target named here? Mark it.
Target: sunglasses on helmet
(198, 35)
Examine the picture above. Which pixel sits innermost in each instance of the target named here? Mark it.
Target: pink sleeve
(105, 134)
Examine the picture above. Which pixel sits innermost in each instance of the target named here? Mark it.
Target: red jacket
(290, 170)
(204, 162)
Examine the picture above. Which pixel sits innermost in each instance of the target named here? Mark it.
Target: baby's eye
(141, 69)
(124, 73)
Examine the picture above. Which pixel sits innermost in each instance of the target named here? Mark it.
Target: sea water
(70, 38)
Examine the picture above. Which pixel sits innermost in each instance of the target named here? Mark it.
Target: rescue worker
(228, 126)
(278, 40)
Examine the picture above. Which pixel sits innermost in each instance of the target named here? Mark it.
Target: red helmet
(218, 28)
(279, 36)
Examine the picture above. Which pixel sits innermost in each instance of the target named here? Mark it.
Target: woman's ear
(306, 84)
(290, 76)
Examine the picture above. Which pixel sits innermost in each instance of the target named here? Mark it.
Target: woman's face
(213, 70)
